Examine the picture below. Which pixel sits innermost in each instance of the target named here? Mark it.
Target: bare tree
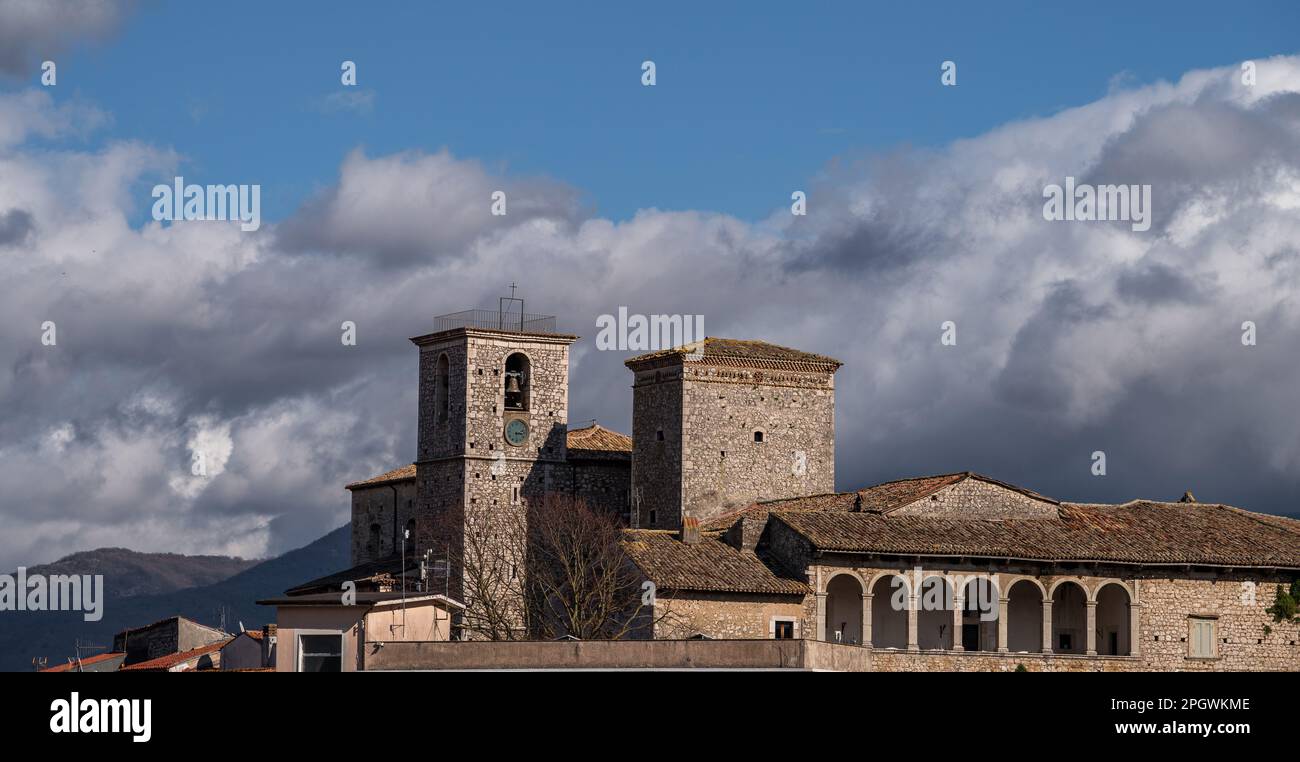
(492, 566)
(545, 569)
(581, 581)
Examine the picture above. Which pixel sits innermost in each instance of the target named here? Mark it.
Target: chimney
(268, 645)
(690, 530)
(1187, 497)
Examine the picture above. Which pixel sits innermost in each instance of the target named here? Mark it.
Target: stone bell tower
(493, 417)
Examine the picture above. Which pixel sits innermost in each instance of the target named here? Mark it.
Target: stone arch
(907, 584)
(1113, 619)
(844, 592)
(889, 623)
(1025, 598)
(1096, 588)
(1069, 617)
(934, 614)
(1010, 581)
(519, 367)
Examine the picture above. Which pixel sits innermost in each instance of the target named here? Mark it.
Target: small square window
(783, 629)
(758, 437)
(659, 435)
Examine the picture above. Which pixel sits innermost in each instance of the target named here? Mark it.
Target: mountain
(128, 573)
(28, 634)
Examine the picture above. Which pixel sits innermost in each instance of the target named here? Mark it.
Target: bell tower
(493, 418)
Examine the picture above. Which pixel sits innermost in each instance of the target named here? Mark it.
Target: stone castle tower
(721, 423)
(493, 418)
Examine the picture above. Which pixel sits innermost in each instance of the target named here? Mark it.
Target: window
(783, 629)
(516, 383)
(758, 437)
(1065, 642)
(659, 435)
(652, 517)
(320, 653)
(1200, 637)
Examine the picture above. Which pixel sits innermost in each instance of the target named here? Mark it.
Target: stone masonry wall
(708, 461)
(975, 498)
(1246, 637)
(376, 506)
(657, 449)
(723, 616)
(1242, 642)
(723, 467)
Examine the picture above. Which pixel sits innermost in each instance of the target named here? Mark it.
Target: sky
(924, 205)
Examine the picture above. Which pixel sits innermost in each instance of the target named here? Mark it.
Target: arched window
(516, 383)
(442, 389)
(1025, 617)
(844, 610)
(1069, 619)
(1112, 616)
(889, 602)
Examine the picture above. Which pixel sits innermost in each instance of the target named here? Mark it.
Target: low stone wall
(626, 654)
(983, 661)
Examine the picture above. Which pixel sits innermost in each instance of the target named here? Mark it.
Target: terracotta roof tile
(171, 660)
(716, 348)
(72, 665)
(1142, 532)
(405, 473)
(596, 441)
(710, 565)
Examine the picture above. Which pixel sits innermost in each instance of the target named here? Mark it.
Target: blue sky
(749, 105)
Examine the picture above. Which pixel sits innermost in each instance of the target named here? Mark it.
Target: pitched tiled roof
(72, 666)
(405, 473)
(370, 571)
(1142, 532)
(596, 441)
(171, 660)
(880, 498)
(739, 350)
(710, 565)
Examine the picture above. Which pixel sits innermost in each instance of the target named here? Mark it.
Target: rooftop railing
(495, 320)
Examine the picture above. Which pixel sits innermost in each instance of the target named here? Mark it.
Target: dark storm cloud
(32, 31)
(15, 226)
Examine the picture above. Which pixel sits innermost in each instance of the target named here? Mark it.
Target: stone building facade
(721, 423)
(962, 572)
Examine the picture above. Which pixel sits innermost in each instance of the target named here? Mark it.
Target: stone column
(911, 623)
(1047, 625)
(957, 604)
(1092, 628)
(866, 619)
(821, 617)
(1003, 604)
(1134, 623)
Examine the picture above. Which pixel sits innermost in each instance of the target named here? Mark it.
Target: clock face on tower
(517, 432)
